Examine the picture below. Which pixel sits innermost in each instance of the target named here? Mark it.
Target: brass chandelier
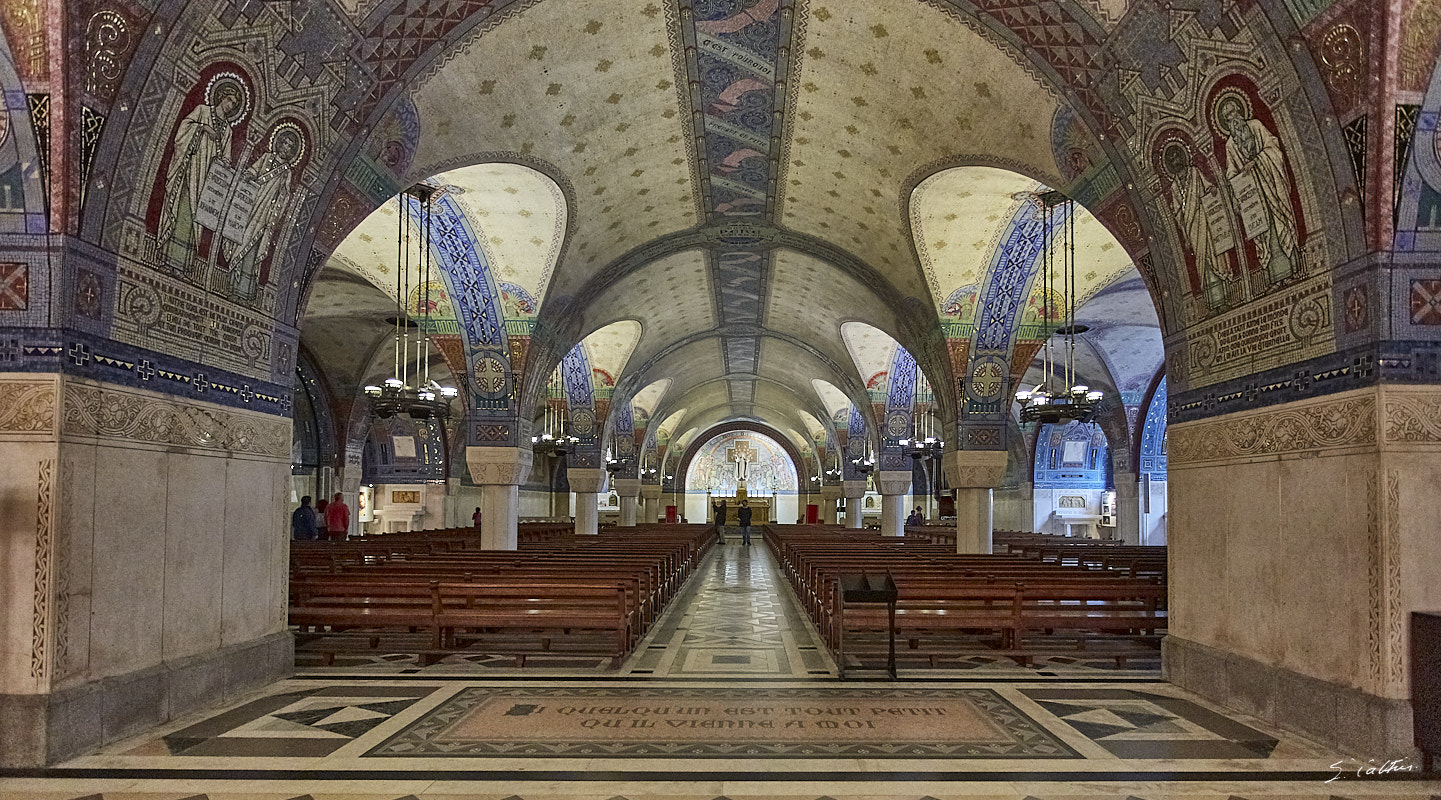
(395, 395)
(1059, 397)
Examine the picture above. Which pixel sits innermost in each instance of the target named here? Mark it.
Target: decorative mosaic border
(1031, 740)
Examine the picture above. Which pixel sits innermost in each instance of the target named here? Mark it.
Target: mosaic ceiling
(745, 208)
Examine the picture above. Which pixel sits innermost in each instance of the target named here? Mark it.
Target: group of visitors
(326, 520)
(916, 518)
(743, 520)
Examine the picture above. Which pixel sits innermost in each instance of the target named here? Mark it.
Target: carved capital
(627, 487)
(893, 482)
(650, 491)
(974, 469)
(853, 488)
(831, 491)
(498, 466)
(586, 480)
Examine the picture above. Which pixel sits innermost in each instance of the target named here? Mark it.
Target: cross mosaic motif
(14, 287)
(1426, 302)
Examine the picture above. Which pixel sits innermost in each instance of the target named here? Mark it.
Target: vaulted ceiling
(772, 196)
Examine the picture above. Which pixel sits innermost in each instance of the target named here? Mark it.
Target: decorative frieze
(1413, 415)
(115, 413)
(27, 405)
(1334, 422)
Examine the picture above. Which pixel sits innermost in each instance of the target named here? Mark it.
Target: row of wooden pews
(557, 594)
(1014, 604)
(1148, 561)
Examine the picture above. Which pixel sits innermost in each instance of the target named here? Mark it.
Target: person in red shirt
(337, 518)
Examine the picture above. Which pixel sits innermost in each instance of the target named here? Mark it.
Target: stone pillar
(894, 486)
(650, 493)
(829, 495)
(500, 471)
(629, 491)
(973, 474)
(1128, 508)
(1302, 536)
(1027, 516)
(854, 492)
(587, 485)
(144, 548)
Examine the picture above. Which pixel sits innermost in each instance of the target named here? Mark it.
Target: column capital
(504, 466)
(974, 469)
(586, 480)
(831, 491)
(650, 491)
(893, 482)
(853, 488)
(626, 487)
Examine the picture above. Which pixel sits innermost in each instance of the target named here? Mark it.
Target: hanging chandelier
(923, 442)
(1058, 397)
(395, 395)
(554, 438)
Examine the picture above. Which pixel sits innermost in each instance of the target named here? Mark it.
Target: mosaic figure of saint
(1190, 193)
(201, 138)
(1252, 150)
(271, 176)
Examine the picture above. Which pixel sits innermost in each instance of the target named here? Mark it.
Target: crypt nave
(1160, 272)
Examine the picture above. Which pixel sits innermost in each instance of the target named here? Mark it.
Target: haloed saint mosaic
(901, 723)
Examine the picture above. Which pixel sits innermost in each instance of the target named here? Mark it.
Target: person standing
(743, 519)
(337, 518)
(719, 507)
(321, 531)
(476, 519)
(302, 522)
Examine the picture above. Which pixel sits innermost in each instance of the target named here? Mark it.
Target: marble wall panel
(194, 554)
(74, 563)
(1308, 526)
(128, 602)
(254, 545)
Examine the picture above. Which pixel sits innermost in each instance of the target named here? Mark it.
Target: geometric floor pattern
(700, 711)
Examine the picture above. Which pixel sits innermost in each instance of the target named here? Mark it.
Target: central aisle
(736, 618)
(731, 696)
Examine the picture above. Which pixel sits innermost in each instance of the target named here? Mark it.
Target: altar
(761, 511)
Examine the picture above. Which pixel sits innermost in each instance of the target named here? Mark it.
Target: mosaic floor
(730, 697)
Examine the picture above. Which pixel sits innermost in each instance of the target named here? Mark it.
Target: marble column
(144, 548)
(587, 485)
(973, 474)
(1128, 508)
(650, 494)
(895, 486)
(629, 491)
(1026, 519)
(1302, 536)
(500, 471)
(855, 492)
(829, 495)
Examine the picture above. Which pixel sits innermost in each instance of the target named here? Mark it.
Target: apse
(748, 459)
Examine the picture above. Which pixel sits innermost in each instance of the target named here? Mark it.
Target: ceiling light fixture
(1073, 401)
(427, 399)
